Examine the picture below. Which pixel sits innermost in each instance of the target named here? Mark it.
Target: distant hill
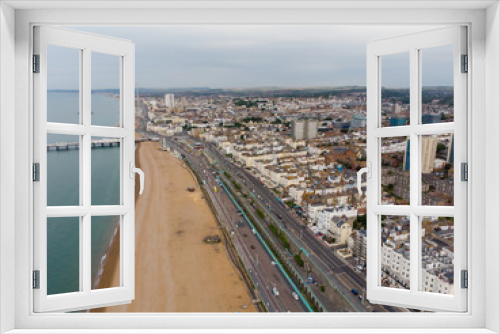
(261, 91)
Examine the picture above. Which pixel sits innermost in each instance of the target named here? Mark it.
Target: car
(276, 292)
(273, 263)
(354, 292)
(252, 247)
(295, 295)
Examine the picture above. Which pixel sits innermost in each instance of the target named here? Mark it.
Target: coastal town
(288, 160)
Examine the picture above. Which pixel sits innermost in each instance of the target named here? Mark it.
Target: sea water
(63, 234)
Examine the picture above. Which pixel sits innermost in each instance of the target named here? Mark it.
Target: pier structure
(106, 142)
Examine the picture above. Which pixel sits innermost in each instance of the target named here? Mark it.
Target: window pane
(63, 255)
(437, 254)
(395, 169)
(63, 170)
(105, 171)
(105, 89)
(395, 90)
(437, 84)
(395, 252)
(105, 252)
(437, 169)
(63, 84)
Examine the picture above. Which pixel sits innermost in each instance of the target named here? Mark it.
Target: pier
(111, 142)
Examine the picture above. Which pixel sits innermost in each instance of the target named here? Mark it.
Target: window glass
(106, 171)
(105, 90)
(395, 251)
(63, 255)
(63, 170)
(395, 90)
(437, 84)
(395, 170)
(105, 251)
(63, 84)
(437, 254)
(437, 169)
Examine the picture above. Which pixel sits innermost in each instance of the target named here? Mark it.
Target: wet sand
(175, 271)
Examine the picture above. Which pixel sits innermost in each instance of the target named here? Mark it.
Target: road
(339, 274)
(256, 259)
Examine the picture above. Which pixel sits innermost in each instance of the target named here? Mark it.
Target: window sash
(86, 297)
(414, 298)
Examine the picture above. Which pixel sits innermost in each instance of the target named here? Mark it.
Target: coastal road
(335, 269)
(260, 266)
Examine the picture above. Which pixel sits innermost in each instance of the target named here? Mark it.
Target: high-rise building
(169, 100)
(298, 129)
(304, 129)
(451, 148)
(429, 148)
(311, 128)
(406, 158)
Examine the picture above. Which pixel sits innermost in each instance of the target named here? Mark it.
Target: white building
(169, 100)
(304, 129)
(325, 216)
(313, 210)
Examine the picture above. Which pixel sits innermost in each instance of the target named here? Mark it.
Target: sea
(63, 174)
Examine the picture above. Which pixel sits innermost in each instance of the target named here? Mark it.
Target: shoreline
(112, 254)
(170, 250)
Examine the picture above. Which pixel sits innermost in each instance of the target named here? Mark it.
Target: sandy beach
(175, 271)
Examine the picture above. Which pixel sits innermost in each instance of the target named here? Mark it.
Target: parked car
(354, 292)
(295, 295)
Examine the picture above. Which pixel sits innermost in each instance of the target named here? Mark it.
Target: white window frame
(483, 21)
(414, 297)
(86, 44)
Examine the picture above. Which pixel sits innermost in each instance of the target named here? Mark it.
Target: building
(169, 100)
(397, 108)
(428, 149)
(340, 229)
(298, 129)
(311, 128)
(406, 162)
(450, 156)
(358, 121)
(324, 217)
(313, 210)
(396, 263)
(398, 121)
(431, 118)
(304, 129)
(357, 245)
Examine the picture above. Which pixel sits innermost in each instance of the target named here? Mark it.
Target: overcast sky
(248, 56)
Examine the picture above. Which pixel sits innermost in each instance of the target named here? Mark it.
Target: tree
(440, 148)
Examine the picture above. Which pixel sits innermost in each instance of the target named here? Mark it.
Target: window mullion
(85, 151)
(414, 167)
